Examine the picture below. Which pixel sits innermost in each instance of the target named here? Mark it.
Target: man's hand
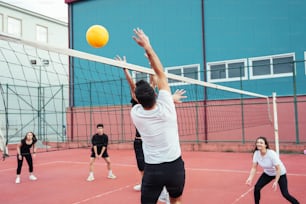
(141, 38)
(179, 95)
(118, 58)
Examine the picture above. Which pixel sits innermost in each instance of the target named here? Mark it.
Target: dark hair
(145, 94)
(100, 125)
(34, 137)
(264, 139)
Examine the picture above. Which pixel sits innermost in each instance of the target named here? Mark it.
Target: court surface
(211, 177)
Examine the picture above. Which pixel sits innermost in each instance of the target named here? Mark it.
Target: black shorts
(139, 154)
(156, 176)
(104, 155)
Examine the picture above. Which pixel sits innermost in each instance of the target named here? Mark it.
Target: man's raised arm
(142, 40)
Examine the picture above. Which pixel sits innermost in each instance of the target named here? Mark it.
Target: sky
(53, 8)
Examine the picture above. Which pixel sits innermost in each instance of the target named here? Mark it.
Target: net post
(275, 123)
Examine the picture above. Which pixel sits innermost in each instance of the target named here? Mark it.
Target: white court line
(236, 171)
(242, 195)
(218, 170)
(192, 169)
(40, 164)
(133, 166)
(102, 194)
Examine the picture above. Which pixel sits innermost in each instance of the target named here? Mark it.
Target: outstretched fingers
(179, 95)
(141, 38)
(118, 58)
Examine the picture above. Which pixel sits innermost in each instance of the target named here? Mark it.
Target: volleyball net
(62, 94)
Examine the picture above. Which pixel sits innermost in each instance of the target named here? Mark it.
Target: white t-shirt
(2, 142)
(268, 162)
(158, 130)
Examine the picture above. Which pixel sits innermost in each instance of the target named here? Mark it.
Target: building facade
(29, 77)
(257, 46)
(25, 24)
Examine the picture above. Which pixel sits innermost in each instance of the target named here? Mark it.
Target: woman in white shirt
(273, 168)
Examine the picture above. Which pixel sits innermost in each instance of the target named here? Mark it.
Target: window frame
(37, 33)
(134, 76)
(270, 58)
(15, 34)
(227, 62)
(182, 68)
(1, 23)
(305, 62)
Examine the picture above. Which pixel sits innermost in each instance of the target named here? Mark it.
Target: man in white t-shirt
(156, 120)
(3, 146)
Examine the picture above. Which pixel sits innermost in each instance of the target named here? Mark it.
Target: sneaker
(90, 178)
(111, 176)
(32, 177)
(164, 197)
(137, 187)
(4, 156)
(17, 180)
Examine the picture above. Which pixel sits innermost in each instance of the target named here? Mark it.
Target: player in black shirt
(99, 149)
(24, 151)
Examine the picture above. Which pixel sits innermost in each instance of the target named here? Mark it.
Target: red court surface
(211, 177)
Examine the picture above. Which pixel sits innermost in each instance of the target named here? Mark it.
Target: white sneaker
(164, 196)
(32, 177)
(90, 178)
(137, 187)
(17, 180)
(111, 176)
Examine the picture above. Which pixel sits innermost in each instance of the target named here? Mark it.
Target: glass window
(14, 26)
(236, 69)
(218, 71)
(41, 33)
(1, 23)
(231, 70)
(272, 66)
(261, 67)
(305, 61)
(176, 72)
(283, 65)
(189, 71)
(141, 76)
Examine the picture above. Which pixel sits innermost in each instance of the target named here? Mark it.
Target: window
(41, 33)
(1, 23)
(14, 26)
(305, 61)
(189, 71)
(271, 66)
(227, 70)
(261, 67)
(141, 76)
